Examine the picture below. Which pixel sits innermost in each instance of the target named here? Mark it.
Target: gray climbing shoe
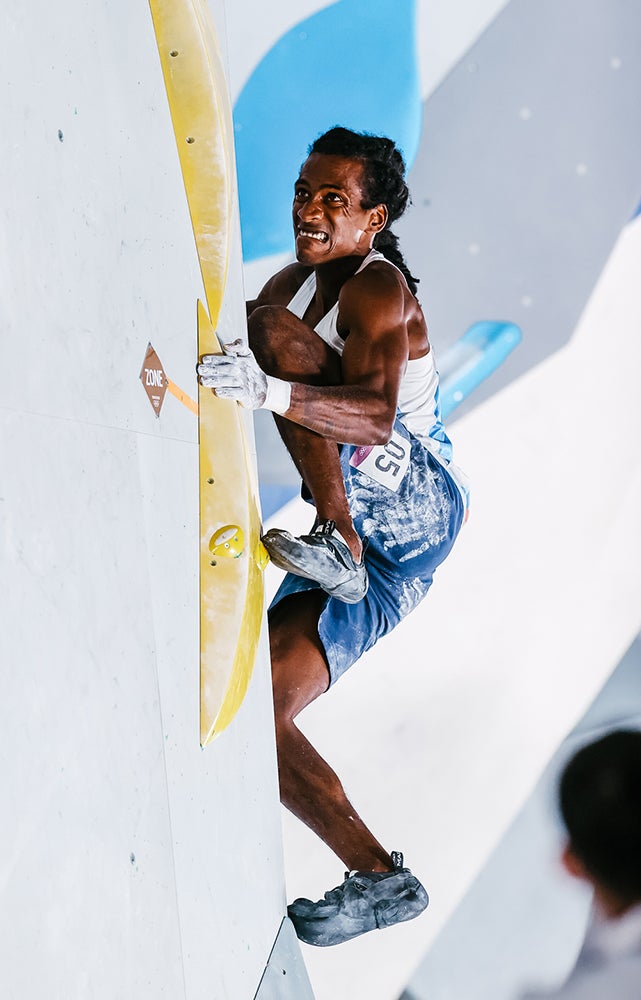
(364, 901)
(322, 556)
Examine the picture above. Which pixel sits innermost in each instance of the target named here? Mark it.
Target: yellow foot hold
(261, 555)
(228, 541)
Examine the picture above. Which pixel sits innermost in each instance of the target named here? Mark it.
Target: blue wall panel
(353, 64)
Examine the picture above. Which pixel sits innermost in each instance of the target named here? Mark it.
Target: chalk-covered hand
(234, 375)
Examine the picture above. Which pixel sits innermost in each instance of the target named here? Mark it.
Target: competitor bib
(386, 464)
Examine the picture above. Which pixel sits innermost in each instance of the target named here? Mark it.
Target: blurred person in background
(600, 802)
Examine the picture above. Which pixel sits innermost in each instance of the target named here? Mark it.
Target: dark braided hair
(383, 183)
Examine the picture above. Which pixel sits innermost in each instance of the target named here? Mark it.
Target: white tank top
(417, 407)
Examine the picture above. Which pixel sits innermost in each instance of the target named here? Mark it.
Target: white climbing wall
(130, 858)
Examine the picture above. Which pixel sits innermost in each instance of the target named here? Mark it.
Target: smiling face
(329, 221)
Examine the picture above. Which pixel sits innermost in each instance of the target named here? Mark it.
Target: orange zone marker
(182, 397)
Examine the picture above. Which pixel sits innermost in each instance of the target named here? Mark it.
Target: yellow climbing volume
(231, 583)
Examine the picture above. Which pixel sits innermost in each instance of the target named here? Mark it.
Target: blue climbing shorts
(408, 510)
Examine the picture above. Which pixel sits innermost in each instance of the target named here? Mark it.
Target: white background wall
(128, 854)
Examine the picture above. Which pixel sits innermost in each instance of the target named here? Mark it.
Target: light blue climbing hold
(352, 64)
(474, 356)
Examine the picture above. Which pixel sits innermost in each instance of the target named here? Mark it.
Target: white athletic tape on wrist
(279, 394)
